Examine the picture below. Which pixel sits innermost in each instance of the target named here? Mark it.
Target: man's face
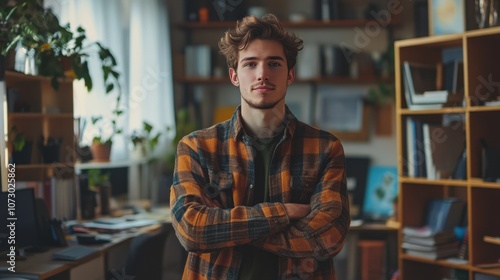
(262, 74)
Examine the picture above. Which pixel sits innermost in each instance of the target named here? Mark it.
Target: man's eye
(250, 64)
(274, 64)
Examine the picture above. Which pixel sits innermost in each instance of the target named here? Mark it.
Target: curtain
(137, 34)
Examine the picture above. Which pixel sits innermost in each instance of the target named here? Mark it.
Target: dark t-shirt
(258, 264)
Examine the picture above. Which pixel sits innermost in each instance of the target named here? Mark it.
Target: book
(411, 105)
(422, 84)
(434, 255)
(442, 216)
(445, 214)
(429, 163)
(437, 239)
(422, 231)
(447, 145)
(410, 151)
(431, 248)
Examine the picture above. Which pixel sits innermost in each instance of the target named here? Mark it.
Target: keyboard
(73, 253)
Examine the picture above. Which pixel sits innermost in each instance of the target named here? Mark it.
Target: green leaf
(109, 88)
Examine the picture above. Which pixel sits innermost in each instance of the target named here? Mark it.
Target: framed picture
(446, 17)
(341, 111)
(356, 169)
(381, 192)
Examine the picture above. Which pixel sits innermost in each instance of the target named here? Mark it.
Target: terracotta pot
(101, 152)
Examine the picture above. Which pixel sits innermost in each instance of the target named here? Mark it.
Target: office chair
(175, 256)
(156, 256)
(146, 256)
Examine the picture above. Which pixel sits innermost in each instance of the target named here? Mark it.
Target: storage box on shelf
(477, 185)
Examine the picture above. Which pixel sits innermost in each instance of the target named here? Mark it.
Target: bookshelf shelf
(450, 182)
(478, 50)
(433, 112)
(436, 262)
(491, 271)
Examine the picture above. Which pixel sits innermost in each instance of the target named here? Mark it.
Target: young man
(262, 195)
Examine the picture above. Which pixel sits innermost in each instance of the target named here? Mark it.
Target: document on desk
(120, 225)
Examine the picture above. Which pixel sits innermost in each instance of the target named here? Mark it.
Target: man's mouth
(263, 86)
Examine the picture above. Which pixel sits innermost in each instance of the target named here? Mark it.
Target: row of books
(322, 60)
(198, 61)
(59, 194)
(436, 239)
(435, 150)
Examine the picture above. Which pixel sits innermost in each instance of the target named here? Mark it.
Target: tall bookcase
(37, 110)
(481, 62)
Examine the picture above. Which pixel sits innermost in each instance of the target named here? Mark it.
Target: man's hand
(296, 211)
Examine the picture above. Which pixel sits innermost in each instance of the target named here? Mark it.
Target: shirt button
(251, 186)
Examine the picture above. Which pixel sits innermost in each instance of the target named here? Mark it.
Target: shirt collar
(237, 130)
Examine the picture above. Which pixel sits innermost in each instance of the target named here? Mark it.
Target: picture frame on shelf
(446, 17)
(341, 111)
(381, 193)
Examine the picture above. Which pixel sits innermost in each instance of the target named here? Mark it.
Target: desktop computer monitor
(26, 233)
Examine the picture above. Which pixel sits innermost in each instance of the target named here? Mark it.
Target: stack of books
(423, 242)
(433, 86)
(436, 240)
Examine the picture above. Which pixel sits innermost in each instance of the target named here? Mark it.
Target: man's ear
(234, 77)
(291, 76)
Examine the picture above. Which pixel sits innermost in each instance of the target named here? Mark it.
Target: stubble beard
(265, 106)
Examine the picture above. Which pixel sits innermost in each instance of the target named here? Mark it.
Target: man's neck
(263, 123)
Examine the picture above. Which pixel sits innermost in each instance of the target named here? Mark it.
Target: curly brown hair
(251, 28)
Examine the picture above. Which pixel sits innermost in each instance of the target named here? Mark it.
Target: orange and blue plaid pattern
(210, 198)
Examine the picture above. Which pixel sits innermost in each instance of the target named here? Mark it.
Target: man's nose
(262, 73)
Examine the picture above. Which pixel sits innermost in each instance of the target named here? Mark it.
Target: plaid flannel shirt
(212, 189)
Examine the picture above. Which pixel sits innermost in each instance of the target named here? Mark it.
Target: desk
(110, 256)
(348, 262)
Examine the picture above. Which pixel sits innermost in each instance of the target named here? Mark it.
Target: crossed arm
(286, 229)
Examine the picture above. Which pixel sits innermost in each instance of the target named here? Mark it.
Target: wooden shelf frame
(480, 49)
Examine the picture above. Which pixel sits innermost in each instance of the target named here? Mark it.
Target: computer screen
(24, 232)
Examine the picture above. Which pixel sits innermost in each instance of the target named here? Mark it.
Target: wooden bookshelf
(41, 111)
(480, 62)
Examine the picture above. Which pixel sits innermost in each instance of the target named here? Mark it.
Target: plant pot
(101, 152)
(23, 156)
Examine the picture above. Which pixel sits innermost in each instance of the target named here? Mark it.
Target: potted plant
(60, 52)
(100, 184)
(21, 147)
(102, 142)
(144, 141)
